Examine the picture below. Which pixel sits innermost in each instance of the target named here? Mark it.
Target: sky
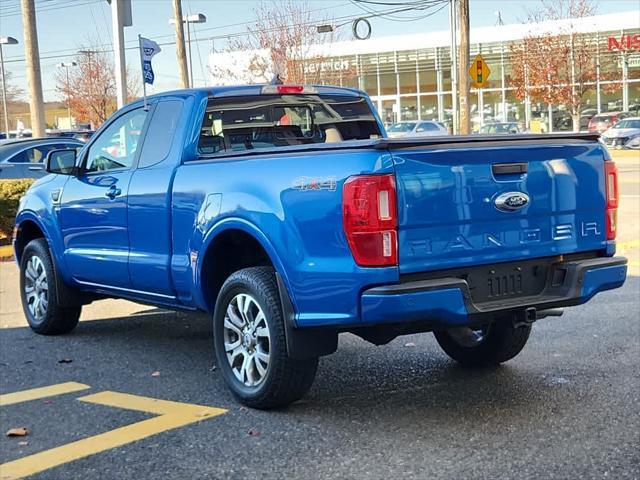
(65, 26)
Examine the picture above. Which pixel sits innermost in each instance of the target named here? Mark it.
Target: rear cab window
(255, 122)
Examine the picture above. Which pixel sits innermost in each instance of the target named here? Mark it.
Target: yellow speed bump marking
(43, 392)
(171, 415)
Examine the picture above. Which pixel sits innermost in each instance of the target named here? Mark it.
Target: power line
(346, 18)
(14, 11)
(169, 35)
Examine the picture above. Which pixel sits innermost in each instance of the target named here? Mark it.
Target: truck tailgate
(479, 201)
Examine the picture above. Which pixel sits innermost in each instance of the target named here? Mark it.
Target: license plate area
(511, 280)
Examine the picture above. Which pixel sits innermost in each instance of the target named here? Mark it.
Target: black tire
(286, 380)
(500, 342)
(53, 318)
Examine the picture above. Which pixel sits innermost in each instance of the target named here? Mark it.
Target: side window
(117, 145)
(160, 133)
(19, 158)
(427, 127)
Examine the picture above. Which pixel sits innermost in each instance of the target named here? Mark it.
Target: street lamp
(66, 66)
(189, 19)
(5, 41)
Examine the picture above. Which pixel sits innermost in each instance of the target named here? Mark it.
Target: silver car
(416, 128)
(623, 134)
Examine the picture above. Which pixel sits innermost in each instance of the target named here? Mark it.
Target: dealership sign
(624, 42)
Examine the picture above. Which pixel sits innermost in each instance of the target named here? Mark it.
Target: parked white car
(623, 134)
(417, 128)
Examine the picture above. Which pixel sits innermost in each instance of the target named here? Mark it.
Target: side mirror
(513, 130)
(62, 162)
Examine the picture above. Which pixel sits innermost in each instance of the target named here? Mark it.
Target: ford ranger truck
(286, 213)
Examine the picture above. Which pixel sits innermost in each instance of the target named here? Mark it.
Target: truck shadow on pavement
(173, 351)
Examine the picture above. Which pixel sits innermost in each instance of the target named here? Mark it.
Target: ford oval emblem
(511, 201)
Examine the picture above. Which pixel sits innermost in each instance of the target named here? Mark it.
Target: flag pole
(144, 83)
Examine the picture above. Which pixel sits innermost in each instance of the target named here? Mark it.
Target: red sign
(625, 42)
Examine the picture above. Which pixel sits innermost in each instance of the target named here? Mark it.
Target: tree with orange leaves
(284, 40)
(91, 89)
(556, 67)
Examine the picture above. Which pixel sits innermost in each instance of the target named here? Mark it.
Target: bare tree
(91, 89)
(13, 95)
(283, 40)
(557, 67)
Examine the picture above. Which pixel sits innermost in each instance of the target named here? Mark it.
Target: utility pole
(463, 66)
(118, 22)
(180, 48)
(454, 67)
(32, 56)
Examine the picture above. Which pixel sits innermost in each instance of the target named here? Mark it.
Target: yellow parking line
(171, 415)
(43, 392)
(149, 405)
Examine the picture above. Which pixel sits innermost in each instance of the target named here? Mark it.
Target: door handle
(35, 168)
(113, 192)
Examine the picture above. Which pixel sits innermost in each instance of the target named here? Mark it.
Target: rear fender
(197, 257)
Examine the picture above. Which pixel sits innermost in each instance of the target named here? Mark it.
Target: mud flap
(304, 343)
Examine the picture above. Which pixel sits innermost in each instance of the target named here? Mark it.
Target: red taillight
(290, 88)
(370, 219)
(611, 192)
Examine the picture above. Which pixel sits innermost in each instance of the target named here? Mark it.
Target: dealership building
(409, 76)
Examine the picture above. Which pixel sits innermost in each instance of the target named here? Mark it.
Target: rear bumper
(447, 302)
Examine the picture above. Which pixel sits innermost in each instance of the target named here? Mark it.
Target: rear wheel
(39, 295)
(250, 342)
(496, 343)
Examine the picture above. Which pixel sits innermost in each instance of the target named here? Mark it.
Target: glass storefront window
(408, 108)
(633, 66)
(515, 107)
(492, 111)
(389, 113)
(447, 120)
(388, 85)
(429, 107)
(446, 80)
(370, 83)
(474, 111)
(634, 98)
(428, 81)
(562, 120)
(408, 81)
(611, 96)
(495, 77)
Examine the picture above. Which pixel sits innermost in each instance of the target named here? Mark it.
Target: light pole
(5, 41)
(189, 19)
(66, 66)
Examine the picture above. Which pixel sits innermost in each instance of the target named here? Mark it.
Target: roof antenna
(276, 80)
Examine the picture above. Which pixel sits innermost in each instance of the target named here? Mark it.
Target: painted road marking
(43, 392)
(170, 415)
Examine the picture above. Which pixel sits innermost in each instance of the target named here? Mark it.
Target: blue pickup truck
(286, 213)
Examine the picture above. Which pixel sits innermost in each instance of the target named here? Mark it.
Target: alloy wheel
(36, 288)
(246, 340)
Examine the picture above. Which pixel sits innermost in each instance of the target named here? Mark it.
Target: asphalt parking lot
(133, 393)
